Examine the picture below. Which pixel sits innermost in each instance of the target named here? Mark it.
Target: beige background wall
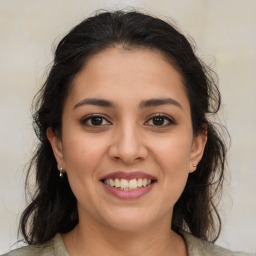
(226, 38)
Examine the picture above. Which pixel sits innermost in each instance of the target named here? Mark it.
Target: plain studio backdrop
(225, 33)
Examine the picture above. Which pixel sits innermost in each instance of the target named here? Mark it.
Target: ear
(197, 149)
(56, 144)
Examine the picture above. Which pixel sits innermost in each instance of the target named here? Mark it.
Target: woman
(126, 148)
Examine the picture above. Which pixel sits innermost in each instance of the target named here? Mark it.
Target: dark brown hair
(53, 207)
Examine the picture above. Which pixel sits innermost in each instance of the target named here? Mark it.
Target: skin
(128, 139)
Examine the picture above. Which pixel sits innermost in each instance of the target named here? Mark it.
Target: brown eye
(160, 121)
(95, 120)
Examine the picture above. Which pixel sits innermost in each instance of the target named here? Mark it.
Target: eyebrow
(96, 102)
(144, 104)
(159, 102)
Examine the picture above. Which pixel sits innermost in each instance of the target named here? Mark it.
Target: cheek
(173, 158)
(82, 150)
(174, 154)
(82, 154)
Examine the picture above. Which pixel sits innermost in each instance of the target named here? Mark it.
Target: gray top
(55, 247)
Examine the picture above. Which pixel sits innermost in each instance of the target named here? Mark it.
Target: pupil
(96, 120)
(158, 120)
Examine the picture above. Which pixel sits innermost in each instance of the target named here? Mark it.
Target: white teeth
(112, 182)
(133, 183)
(117, 183)
(128, 184)
(124, 184)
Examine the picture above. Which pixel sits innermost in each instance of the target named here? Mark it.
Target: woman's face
(127, 143)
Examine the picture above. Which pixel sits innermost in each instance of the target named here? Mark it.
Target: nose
(128, 145)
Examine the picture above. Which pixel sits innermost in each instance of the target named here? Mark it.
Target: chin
(128, 220)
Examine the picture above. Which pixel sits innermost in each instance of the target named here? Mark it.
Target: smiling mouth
(128, 185)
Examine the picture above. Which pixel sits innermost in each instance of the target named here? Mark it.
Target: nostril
(128, 148)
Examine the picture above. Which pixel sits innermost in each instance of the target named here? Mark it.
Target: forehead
(133, 74)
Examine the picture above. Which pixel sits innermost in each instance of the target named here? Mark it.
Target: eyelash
(165, 117)
(85, 120)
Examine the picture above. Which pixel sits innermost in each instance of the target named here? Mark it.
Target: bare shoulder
(198, 247)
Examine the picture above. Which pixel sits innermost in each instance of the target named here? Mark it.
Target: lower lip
(128, 194)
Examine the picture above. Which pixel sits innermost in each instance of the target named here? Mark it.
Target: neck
(88, 239)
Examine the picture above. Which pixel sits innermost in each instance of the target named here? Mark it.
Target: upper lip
(128, 175)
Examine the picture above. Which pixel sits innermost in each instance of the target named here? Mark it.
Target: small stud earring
(194, 165)
(61, 169)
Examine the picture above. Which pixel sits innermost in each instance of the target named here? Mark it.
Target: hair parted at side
(53, 208)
